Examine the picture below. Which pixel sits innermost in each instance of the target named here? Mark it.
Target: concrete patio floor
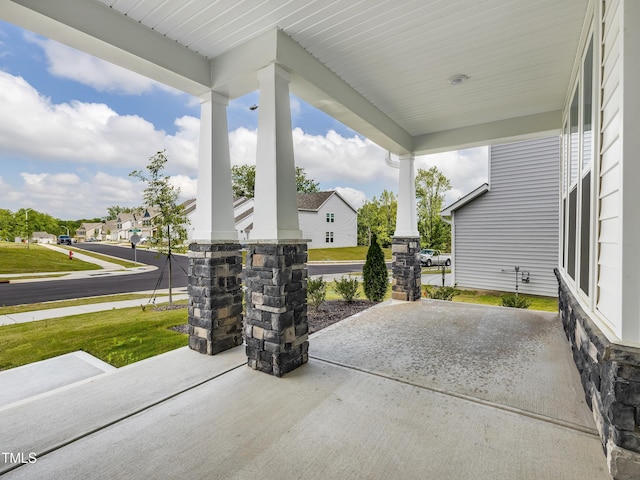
(424, 390)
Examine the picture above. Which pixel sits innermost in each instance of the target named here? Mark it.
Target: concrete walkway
(427, 390)
(45, 314)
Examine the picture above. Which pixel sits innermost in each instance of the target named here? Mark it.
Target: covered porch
(449, 391)
(415, 77)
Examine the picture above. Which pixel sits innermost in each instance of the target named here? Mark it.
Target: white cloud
(34, 127)
(355, 197)
(187, 186)
(466, 169)
(67, 62)
(94, 136)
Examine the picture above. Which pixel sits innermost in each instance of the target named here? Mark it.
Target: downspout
(392, 163)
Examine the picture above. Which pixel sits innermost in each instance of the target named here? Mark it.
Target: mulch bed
(330, 312)
(333, 311)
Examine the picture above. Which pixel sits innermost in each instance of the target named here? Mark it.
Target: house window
(587, 140)
(574, 153)
(576, 177)
(328, 237)
(330, 217)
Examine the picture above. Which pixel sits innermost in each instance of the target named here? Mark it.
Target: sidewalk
(36, 315)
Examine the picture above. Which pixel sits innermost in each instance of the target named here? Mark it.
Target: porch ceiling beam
(502, 131)
(104, 33)
(233, 74)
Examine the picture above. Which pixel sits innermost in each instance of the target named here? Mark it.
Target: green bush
(515, 301)
(374, 273)
(441, 293)
(347, 288)
(316, 292)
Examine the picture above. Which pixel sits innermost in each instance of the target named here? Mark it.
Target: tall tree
(243, 179)
(304, 184)
(115, 210)
(7, 225)
(161, 194)
(378, 216)
(431, 186)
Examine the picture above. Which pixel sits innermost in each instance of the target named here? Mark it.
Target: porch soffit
(379, 66)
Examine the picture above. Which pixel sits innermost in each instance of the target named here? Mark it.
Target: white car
(429, 257)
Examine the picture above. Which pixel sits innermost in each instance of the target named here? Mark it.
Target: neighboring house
(510, 222)
(326, 219)
(89, 230)
(43, 237)
(110, 230)
(124, 223)
(243, 214)
(144, 222)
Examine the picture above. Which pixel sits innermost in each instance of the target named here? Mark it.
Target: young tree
(243, 179)
(431, 185)
(161, 194)
(375, 277)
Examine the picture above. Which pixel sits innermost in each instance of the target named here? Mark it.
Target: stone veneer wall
(215, 297)
(407, 272)
(276, 328)
(610, 375)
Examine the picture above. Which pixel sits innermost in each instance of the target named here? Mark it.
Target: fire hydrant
(70, 254)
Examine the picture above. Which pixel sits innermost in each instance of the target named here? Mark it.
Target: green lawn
(30, 307)
(342, 254)
(17, 258)
(547, 304)
(118, 337)
(106, 258)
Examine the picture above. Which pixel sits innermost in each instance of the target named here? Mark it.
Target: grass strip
(106, 258)
(30, 307)
(118, 337)
(342, 254)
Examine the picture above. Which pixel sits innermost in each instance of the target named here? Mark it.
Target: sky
(72, 128)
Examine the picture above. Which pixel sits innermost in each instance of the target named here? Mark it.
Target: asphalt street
(43, 291)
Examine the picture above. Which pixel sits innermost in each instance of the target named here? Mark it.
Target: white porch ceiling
(380, 66)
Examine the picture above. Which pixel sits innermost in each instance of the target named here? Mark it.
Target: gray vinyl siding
(515, 223)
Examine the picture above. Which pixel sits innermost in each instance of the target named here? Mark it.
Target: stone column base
(610, 375)
(276, 328)
(215, 297)
(407, 272)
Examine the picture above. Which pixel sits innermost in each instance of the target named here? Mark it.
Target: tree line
(378, 216)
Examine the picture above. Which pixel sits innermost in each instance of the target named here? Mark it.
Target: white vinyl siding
(608, 252)
(344, 226)
(514, 224)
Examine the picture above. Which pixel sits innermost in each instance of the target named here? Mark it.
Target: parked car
(64, 240)
(429, 257)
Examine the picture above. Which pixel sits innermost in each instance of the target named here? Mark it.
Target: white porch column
(276, 208)
(213, 218)
(406, 239)
(407, 218)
